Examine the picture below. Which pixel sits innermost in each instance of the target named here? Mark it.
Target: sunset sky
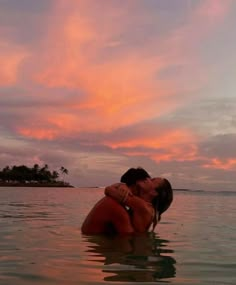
(101, 86)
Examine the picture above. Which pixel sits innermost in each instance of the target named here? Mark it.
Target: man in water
(110, 215)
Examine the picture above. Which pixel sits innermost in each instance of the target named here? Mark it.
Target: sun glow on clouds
(118, 82)
(155, 140)
(39, 134)
(54, 126)
(10, 58)
(227, 164)
(163, 146)
(122, 88)
(104, 71)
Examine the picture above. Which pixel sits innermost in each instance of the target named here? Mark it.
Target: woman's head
(164, 198)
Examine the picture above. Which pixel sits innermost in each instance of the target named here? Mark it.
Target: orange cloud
(65, 122)
(38, 133)
(121, 89)
(214, 11)
(155, 140)
(124, 83)
(117, 84)
(228, 164)
(11, 58)
(170, 145)
(51, 126)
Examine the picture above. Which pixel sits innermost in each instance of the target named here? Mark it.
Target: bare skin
(107, 217)
(142, 213)
(142, 210)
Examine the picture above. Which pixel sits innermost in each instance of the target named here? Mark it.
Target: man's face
(147, 187)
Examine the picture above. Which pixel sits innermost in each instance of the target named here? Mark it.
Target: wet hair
(132, 175)
(163, 201)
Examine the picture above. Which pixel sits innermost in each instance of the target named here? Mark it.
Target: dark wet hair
(132, 175)
(163, 201)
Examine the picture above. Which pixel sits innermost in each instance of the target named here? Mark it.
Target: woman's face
(157, 182)
(147, 187)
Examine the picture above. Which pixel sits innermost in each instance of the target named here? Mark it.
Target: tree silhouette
(23, 174)
(64, 171)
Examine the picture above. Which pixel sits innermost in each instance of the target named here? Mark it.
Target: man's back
(107, 217)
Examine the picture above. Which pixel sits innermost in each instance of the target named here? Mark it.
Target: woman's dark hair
(132, 175)
(164, 199)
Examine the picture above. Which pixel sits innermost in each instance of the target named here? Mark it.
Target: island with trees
(35, 176)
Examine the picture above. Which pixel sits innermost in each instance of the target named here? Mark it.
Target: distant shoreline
(17, 184)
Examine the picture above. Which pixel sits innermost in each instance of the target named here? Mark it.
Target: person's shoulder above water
(107, 217)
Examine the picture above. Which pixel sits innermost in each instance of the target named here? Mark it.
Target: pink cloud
(11, 58)
(120, 91)
(161, 145)
(214, 11)
(125, 87)
(38, 133)
(217, 163)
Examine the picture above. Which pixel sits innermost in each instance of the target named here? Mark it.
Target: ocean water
(41, 241)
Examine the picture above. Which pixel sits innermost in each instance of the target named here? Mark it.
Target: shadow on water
(138, 258)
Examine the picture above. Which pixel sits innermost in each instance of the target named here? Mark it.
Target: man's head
(132, 175)
(140, 183)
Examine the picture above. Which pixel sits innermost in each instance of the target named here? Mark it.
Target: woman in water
(131, 206)
(147, 205)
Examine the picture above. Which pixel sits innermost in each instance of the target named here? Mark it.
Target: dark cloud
(209, 116)
(25, 5)
(191, 175)
(220, 146)
(24, 20)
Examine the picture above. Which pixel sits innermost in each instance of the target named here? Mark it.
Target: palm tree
(55, 175)
(63, 172)
(6, 173)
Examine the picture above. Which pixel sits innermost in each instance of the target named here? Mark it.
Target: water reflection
(139, 258)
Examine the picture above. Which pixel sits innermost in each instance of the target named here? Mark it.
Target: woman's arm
(142, 212)
(118, 191)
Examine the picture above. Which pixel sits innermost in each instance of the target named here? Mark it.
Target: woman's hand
(119, 192)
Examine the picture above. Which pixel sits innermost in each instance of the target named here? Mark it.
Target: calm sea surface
(41, 242)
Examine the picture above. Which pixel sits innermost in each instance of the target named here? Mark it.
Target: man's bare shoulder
(109, 203)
